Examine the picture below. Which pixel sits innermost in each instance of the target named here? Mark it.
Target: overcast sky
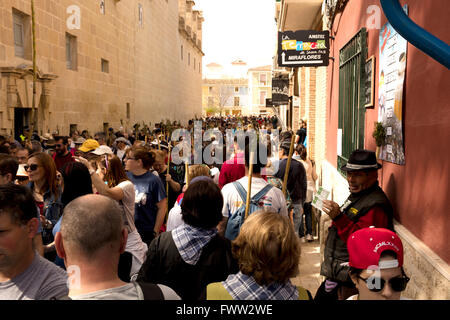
(238, 29)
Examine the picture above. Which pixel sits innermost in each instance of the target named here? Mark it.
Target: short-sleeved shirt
(42, 280)
(130, 291)
(149, 190)
(273, 199)
(127, 203)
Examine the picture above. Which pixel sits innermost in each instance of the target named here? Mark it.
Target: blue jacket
(53, 208)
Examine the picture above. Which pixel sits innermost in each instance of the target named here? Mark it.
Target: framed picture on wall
(369, 82)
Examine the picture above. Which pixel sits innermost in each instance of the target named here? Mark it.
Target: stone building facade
(100, 63)
(260, 86)
(225, 97)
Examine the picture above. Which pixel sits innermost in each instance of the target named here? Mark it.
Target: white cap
(102, 150)
(21, 172)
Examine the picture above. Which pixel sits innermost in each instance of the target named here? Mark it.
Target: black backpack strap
(150, 291)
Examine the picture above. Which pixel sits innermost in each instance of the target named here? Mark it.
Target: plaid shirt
(243, 287)
(190, 241)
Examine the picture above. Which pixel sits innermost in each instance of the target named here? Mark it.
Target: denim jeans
(307, 209)
(297, 216)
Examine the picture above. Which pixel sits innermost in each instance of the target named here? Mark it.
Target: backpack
(237, 218)
(150, 291)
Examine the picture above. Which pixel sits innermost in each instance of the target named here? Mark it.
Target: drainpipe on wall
(417, 36)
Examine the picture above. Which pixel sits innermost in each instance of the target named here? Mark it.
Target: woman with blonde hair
(267, 250)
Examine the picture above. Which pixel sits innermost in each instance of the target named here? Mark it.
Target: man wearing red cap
(376, 264)
(366, 206)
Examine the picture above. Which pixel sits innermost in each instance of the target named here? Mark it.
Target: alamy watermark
(210, 146)
(73, 277)
(73, 22)
(374, 19)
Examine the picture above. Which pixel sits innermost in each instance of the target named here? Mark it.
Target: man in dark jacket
(192, 255)
(296, 183)
(366, 206)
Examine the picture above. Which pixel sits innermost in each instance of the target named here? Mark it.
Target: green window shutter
(352, 58)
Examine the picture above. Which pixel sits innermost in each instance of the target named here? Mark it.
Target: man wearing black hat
(366, 206)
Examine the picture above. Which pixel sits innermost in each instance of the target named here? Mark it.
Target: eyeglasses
(376, 284)
(32, 167)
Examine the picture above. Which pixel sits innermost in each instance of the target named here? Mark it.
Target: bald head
(90, 223)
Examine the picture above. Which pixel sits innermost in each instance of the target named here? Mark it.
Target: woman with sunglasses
(376, 264)
(110, 179)
(45, 185)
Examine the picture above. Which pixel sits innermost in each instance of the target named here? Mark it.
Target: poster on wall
(390, 97)
(280, 91)
(303, 48)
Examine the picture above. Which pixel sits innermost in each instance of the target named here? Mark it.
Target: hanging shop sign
(303, 48)
(280, 91)
(390, 97)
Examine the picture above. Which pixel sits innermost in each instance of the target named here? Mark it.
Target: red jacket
(374, 217)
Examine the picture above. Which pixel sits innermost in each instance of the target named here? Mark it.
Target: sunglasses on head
(376, 284)
(32, 167)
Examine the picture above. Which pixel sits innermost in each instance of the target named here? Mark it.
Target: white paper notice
(321, 195)
(389, 131)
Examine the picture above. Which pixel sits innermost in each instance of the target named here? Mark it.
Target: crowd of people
(111, 216)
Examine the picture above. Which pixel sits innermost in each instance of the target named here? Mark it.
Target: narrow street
(309, 277)
(162, 127)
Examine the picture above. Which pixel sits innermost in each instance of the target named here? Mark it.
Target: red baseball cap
(365, 247)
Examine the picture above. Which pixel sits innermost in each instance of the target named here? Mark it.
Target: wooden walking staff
(186, 169)
(249, 187)
(288, 165)
(167, 182)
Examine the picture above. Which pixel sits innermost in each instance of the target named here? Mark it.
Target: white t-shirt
(232, 201)
(175, 219)
(130, 291)
(128, 203)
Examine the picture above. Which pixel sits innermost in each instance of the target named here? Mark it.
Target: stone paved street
(309, 276)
